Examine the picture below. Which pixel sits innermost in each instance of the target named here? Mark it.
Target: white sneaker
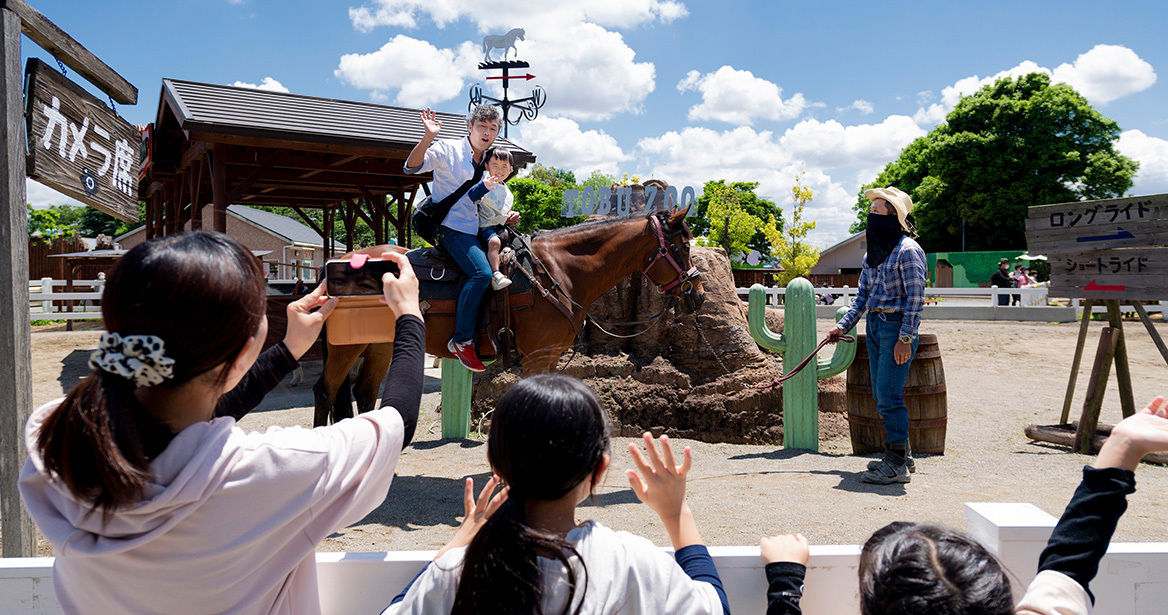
(499, 281)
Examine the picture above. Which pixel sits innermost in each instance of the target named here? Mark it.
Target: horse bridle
(668, 250)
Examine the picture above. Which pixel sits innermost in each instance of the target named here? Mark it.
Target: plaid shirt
(898, 283)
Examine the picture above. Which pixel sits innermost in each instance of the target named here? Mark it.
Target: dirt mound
(688, 375)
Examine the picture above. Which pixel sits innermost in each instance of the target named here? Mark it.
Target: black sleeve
(785, 587)
(402, 387)
(269, 370)
(1081, 537)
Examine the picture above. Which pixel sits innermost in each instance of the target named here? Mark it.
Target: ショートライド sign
(78, 146)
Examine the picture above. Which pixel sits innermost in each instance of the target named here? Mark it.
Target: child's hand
(477, 512)
(1139, 434)
(304, 324)
(512, 218)
(785, 548)
(430, 122)
(492, 182)
(661, 483)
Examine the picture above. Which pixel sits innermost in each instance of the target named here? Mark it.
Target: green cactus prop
(800, 393)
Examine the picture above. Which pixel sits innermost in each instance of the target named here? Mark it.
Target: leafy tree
(540, 204)
(1013, 144)
(745, 198)
(551, 176)
(598, 180)
(796, 256)
(731, 225)
(47, 223)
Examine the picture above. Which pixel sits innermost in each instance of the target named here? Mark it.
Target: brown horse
(575, 266)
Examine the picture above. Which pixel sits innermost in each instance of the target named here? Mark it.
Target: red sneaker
(465, 353)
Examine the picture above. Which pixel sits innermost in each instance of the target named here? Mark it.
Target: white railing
(1130, 577)
(1030, 296)
(46, 303)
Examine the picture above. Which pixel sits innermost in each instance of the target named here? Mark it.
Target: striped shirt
(898, 283)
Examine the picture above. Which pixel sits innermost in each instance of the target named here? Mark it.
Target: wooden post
(1066, 416)
(219, 187)
(456, 394)
(19, 535)
(1156, 339)
(1122, 372)
(1085, 433)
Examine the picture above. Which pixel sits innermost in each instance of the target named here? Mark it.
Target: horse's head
(670, 266)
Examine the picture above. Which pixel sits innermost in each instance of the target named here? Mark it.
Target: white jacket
(229, 525)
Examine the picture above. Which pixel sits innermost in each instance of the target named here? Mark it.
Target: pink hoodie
(230, 524)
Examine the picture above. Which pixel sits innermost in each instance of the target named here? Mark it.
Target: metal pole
(19, 535)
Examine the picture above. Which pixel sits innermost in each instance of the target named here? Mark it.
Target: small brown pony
(575, 266)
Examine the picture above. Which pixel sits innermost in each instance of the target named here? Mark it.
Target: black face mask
(883, 234)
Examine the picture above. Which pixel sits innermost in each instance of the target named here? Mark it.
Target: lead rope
(777, 381)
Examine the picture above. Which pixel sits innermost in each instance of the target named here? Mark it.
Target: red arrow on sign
(527, 77)
(1094, 286)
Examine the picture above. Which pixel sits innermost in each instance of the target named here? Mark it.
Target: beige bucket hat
(900, 201)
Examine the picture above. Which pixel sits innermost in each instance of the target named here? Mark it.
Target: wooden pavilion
(218, 145)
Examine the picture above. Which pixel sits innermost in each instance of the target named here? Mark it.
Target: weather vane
(528, 107)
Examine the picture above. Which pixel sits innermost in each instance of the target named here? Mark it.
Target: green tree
(540, 204)
(1013, 144)
(551, 176)
(796, 256)
(744, 198)
(731, 225)
(598, 180)
(47, 223)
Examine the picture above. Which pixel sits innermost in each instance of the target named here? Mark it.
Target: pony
(505, 42)
(574, 266)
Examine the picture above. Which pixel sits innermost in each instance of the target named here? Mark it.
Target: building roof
(843, 243)
(225, 109)
(289, 229)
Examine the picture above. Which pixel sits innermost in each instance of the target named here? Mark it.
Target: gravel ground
(1000, 377)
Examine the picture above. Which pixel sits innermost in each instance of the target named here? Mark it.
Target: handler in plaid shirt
(892, 289)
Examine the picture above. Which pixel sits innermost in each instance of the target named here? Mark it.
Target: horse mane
(608, 221)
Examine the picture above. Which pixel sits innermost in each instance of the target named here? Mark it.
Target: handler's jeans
(472, 259)
(888, 378)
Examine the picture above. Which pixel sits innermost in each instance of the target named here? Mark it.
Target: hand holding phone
(345, 280)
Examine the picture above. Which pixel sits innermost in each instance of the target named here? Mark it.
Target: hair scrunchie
(138, 358)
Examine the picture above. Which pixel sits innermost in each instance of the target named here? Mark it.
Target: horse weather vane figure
(528, 108)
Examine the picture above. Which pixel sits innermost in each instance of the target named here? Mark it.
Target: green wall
(971, 269)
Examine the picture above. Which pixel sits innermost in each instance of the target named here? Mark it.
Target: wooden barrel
(924, 396)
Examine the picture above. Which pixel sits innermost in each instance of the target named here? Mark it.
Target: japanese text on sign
(117, 164)
(1110, 213)
(1099, 264)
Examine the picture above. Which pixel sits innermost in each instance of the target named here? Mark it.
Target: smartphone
(345, 281)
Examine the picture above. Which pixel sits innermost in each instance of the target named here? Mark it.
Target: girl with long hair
(153, 499)
(521, 550)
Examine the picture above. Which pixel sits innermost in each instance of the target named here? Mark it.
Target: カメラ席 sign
(78, 146)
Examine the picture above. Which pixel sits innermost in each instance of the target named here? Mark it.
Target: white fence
(48, 303)
(1133, 577)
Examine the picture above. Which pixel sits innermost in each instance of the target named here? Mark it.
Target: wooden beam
(1127, 403)
(307, 146)
(63, 47)
(196, 151)
(246, 183)
(309, 221)
(1077, 361)
(1095, 389)
(1156, 339)
(19, 535)
(219, 187)
(314, 161)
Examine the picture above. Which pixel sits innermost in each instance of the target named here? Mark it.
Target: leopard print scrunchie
(138, 358)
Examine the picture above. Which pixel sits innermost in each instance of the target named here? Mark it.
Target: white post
(1016, 533)
(46, 288)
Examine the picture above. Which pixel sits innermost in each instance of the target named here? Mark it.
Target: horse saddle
(440, 282)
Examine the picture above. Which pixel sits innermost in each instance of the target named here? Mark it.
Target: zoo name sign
(595, 201)
(78, 146)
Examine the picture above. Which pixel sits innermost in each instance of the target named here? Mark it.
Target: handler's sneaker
(908, 461)
(499, 281)
(465, 354)
(887, 472)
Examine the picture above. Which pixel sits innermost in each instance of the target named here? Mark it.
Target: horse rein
(668, 251)
(798, 368)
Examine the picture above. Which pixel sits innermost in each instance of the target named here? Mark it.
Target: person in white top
(521, 550)
(495, 201)
(151, 497)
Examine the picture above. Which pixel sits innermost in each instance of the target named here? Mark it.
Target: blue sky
(681, 90)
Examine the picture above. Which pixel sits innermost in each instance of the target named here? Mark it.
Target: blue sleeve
(914, 270)
(695, 560)
(477, 192)
(398, 598)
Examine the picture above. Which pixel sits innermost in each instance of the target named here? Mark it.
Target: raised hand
(477, 512)
(492, 182)
(430, 122)
(1139, 434)
(785, 548)
(661, 486)
(303, 323)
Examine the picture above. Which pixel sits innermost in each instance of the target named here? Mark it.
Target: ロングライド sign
(78, 146)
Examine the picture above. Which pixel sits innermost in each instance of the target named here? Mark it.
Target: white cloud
(40, 196)
(421, 73)
(830, 144)
(1107, 72)
(863, 106)
(547, 15)
(1152, 154)
(559, 142)
(268, 84)
(738, 97)
(1101, 75)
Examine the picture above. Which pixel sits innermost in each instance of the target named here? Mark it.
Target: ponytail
(501, 573)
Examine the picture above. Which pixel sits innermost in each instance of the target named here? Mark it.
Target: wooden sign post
(17, 17)
(1109, 251)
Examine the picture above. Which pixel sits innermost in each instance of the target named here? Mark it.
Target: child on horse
(455, 162)
(495, 212)
(522, 551)
(153, 499)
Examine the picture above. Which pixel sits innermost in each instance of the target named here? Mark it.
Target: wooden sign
(1124, 273)
(1097, 225)
(78, 146)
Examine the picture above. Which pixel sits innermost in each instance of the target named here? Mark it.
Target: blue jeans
(888, 378)
(472, 259)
